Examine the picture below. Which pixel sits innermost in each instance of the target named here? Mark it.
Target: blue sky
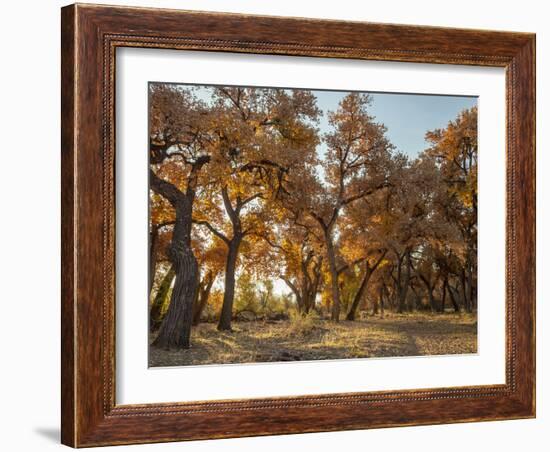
(406, 116)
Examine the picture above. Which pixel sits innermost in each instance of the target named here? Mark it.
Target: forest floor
(313, 339)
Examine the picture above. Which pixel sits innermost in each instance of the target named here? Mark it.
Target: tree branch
(292, 287)
(378, 262)
(245, 201)
(363, 194)
(213, 230)
(318, 218)
(352, 264)
(269, 242)
(165, 188)
(163, 224)
(228, 207)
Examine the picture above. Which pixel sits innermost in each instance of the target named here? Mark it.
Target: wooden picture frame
(90, 36)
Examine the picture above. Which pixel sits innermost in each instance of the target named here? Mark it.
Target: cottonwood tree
(178, 151)
(261, 136)
(301, 253)
(239, 186)
(455, 151)
(429, 273)
(355, 167)
(407, 219)
(361, 245)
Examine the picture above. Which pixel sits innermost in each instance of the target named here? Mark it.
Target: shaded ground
(313, 339)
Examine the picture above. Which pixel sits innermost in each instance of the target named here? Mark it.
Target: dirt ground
(314, 339)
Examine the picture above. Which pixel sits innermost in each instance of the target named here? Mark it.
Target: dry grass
(313, 339)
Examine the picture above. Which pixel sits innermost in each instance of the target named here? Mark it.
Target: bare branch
(365, 193)
(292, 287)
(213, 230)
(269, 241)
(229, 207)
(245, 201)
(165, 188)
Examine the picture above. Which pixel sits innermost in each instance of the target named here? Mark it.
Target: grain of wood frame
(297, 224)
(91, 412)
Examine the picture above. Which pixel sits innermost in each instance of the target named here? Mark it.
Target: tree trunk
(470, 287)
(316, 282)
(382, 301)
(335, 311)
(473, 295)
(226, 314)
(175, 330)
(202, 297)
(158, 307)
(444, 295)
(404, 285)
(375, 303)
(153, 239)
(464, 289)
(397, 283)
(303, 303)
(432, 300)
(296, 292)
(430, 290)
(456, 306)
(359, 294)
(417, 299)
(364, 283)
(314, 288)
(389, 297)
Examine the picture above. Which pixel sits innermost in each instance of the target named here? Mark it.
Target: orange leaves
(264, 182)
(160, 210)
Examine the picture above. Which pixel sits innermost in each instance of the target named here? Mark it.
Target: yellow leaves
(174, 172)
(265, 181)
(215, 256)
(466, 198)
(455, 148)
(160, 210)
(351, 251)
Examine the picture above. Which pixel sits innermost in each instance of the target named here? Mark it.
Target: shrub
(301, 325)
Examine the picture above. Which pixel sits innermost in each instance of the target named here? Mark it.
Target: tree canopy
(242, 197)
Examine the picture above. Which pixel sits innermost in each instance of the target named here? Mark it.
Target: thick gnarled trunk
(175, 330)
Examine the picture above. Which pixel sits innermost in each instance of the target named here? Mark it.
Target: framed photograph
(280, 225)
